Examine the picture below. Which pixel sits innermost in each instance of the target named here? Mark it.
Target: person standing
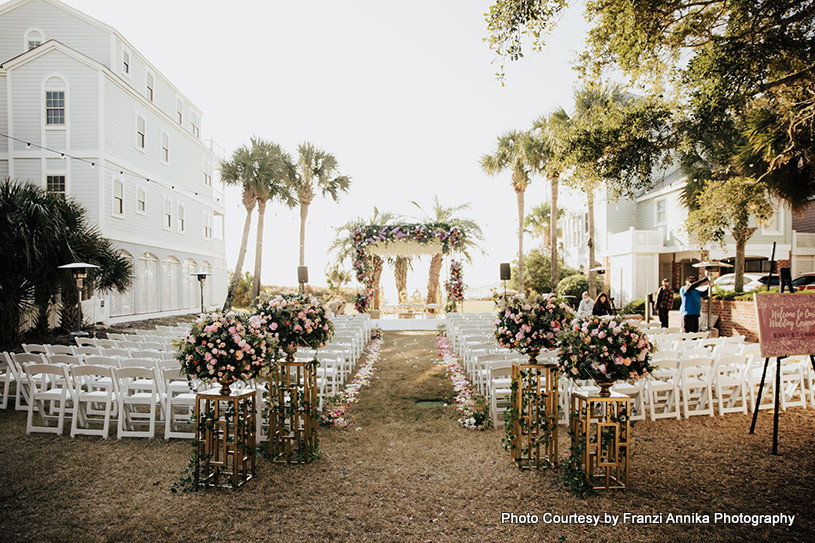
(664, 303)
(691, 303)
(601, 305)
(586, 305)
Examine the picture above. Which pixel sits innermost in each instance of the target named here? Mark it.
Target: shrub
(537, 272)
(635, 306)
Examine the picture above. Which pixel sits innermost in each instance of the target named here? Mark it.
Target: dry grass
(401, 472)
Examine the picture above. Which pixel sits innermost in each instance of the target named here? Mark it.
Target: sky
(403, 94)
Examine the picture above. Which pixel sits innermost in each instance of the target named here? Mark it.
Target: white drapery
(404, 247)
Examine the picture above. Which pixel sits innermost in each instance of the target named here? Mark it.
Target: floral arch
(408, 239)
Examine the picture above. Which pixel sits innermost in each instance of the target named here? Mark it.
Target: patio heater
(201, 276)
(302, 277)
(707, 264)
(80, 271)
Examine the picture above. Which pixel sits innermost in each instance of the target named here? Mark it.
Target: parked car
(804, 281)
(728, 281)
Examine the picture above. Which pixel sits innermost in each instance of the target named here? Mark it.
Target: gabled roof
(14, 4)
(45, 48)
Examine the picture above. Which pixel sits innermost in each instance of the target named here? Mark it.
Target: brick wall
(735, 317)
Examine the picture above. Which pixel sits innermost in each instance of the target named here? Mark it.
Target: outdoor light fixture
(706, 265)
(80, 272)
(201, 276)
(302, 277)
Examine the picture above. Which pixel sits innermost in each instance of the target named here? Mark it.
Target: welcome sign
(786, 323)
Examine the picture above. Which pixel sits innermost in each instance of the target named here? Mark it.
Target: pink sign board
(786, 323)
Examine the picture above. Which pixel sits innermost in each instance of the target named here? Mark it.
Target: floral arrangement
(472, 407)
(455, 286)
(604, 348)
(450, 237)
(529, 325)
(336, 407)
(225, 348)
(295, 320)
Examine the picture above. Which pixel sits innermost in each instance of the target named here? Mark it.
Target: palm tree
(472, 234)
(592, 101)
(273, 175)
(42, 231)
(315, 167)
(539, 222)
(511, 154)
(241, 170)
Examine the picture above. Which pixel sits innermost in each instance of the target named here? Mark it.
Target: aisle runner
(472, 408)
(334, 408)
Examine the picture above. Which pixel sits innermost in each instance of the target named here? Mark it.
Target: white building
(71, 85)
(643, 240)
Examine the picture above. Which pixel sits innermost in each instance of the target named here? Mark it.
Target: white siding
(56, 24)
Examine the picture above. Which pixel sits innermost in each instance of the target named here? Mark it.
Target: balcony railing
(635, 241)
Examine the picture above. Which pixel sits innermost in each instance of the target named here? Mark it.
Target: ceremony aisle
(403, 469)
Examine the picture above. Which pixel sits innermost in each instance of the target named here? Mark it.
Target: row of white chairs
(72, 350)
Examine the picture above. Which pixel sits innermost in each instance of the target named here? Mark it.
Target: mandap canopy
(403, 240)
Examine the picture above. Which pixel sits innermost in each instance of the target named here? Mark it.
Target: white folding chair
(635, 390)
(179, 405)
(87, 350)
(696, 385)
(662, 389)
(16, 364)
(500, 387)
(85, 341)
(126, 344)
(6, 378)
(60, 349)
(145, 354)
(107, 344)
(94, 396)
(793, 388)
(752, 379)
(35, 348)
(731, 388)
(48, 396)
(138, 394)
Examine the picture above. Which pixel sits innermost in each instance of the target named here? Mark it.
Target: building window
(179, 109)
(33, 38)
(55, 108)
(168, 214)
(659, 211)
(125, 63)
(140, 132)
(775, 225)
(196, 125)
(182, 226)
(118, 198)
(207, 179)
(165, 147)
(141, 202)
(207, 226)
(55, 184)
(150, 87)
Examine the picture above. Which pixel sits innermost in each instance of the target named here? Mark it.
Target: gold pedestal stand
(600, 438)
(226, 438)
(534, 407)
(293, 411)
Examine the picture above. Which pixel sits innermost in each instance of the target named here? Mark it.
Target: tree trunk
(553, 232)
(377, 275)
(259, 248)
(433, 279)
(249, 204)
(303, 215)
(520, 194)
(400, 270)
(741, 236)
(591, 274)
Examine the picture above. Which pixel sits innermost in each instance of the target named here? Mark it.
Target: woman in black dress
(601, 305)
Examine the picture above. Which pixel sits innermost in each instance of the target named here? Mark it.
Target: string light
(65, 156)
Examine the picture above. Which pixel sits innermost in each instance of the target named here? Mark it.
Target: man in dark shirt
(665, 301)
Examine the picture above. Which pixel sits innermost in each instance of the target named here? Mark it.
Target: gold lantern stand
(600, 427)
(293, 415)
(534, 407)
(225, 438)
